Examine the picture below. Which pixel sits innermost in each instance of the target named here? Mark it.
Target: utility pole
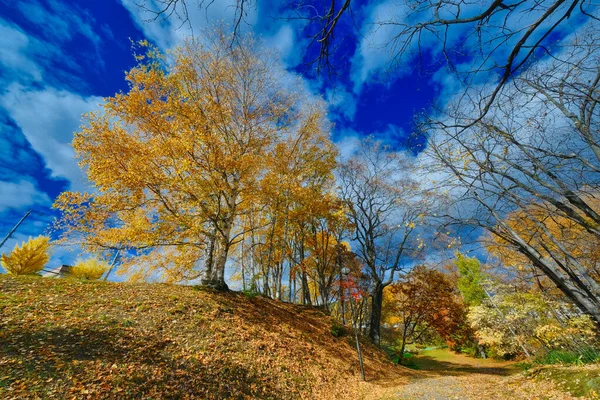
(112, 264)
(15, 228)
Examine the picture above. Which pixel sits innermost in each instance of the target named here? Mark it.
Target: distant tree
(29, 257)
(386, 205)
(470, 280)
(470, 286)
(425, 300)
(90, 269)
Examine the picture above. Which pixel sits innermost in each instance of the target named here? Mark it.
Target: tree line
(214, 157)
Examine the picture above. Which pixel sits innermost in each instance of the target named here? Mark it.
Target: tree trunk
(481, 350)
(216, 279)
(376, 304)
(586, 302)
(291, 282)
(265, 282)
(242, 265)
(403, 346)
(210, 260)
(280, 281)
(305, 289)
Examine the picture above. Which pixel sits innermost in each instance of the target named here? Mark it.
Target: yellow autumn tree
(554, 237)
(563, 245)
(301, 175)
(327, 225)
(29, 257)
(90, 269)
(179, 158)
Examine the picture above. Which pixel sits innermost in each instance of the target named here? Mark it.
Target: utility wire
(15, 228)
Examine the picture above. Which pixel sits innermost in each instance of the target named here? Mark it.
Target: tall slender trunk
(266, 289)
(253, 272)
(290, 282)
(339, 264)
(376, 304)
(278, 280)
(210, 255)
(305, 289)
(242, 262)
(280, 284)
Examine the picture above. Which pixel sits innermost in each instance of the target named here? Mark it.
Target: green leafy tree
(469, 280)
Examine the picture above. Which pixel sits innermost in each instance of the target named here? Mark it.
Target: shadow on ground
(115, 363)
(447, 363)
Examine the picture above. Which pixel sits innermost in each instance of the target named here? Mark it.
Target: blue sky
(58, 58)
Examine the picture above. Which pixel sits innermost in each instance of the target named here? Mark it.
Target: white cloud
(26, 59)
(20, 195)
(372, 53)
(342, 102)
(14, 48)
(48, 118)
(283, 41)
(59, 22)
(347, 145)
(27, 56)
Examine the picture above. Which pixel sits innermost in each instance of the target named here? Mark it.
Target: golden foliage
(552, 235)
(90, 269)
(192, 148)
(529, 319)
(29, 258)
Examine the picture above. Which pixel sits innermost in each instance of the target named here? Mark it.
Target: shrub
(250, 293)
(582, 356)
(469, 349)
(29, 258)
(338, 330)
(408, 360)
(90, 269)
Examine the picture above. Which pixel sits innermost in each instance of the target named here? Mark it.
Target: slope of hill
(70, 339)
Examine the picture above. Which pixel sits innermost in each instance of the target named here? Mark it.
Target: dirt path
(444, 375)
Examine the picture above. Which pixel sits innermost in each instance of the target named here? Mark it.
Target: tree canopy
(196, 144)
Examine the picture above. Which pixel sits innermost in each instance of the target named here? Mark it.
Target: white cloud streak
(21, 195)
(48, 118)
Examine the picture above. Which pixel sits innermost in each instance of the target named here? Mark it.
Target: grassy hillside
(65, 339)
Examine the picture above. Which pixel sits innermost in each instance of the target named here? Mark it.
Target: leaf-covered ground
(446, 375)
(72, 339)
(67, 339)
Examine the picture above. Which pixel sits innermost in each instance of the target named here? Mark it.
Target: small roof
(56, 272)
